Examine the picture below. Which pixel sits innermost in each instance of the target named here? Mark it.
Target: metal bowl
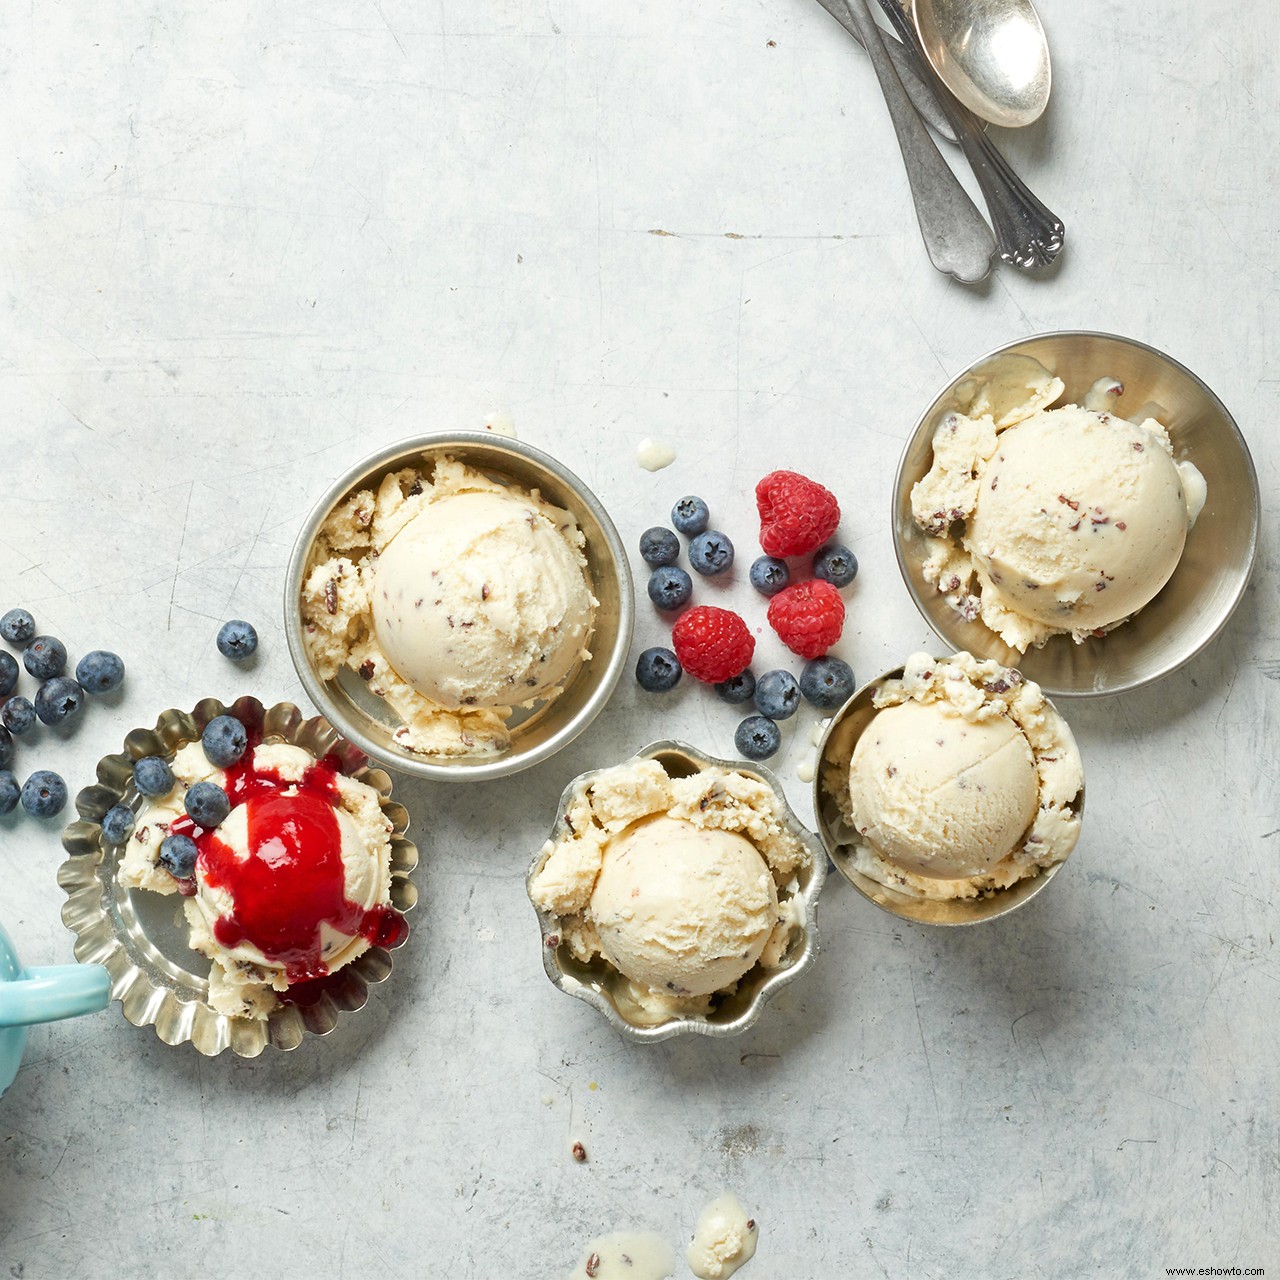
(838, 742)
(367, 721)
(600, 984)
(1210, 579)
(141, 937)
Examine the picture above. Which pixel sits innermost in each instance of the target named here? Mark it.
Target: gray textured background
(247, 243)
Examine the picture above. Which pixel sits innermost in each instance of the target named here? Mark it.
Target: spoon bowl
(991, 54)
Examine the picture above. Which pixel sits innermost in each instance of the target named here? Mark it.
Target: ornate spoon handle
(958, 241)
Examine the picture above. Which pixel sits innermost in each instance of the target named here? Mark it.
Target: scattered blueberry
(117, 824)
(670, 587)
(17, 626)
(690, 516)
(711, 552)
(835, 564)
(207, 804)
(659, 546)
(224, 741)
(58, 699)
(18, 715)
(152, 776)
(827, 682)
(237, 639)
(45, 657)
(44, 794)
(777, 695)
(100, 671)
(658, 670)
(178, 856)
(739, 688)
(8, 674)
(757, 738)
(769, 575)
(6, 747)
(9, 791)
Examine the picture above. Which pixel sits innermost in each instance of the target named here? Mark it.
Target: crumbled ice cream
(1045, 521)
(725, 1239)
(682, 884)
(964, 782)
(455, 598)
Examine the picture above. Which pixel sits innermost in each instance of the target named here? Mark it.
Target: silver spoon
(992, 54)
(1028, 234)
(958, 241)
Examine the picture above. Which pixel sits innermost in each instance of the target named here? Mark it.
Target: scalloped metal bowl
(535, 735)
(141, 937)
(600, 984)
(834, 752)
(1211, 577)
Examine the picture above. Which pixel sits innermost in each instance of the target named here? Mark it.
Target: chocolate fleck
(363, 518)
(484, 592)
(1070, 502)
(1137, 447)
(1120, 524)
(579, 1153)
(593, 1266)
(331, 595)
(415, 488)
(367, 669)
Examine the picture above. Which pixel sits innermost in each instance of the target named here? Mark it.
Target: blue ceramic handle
(58, 991)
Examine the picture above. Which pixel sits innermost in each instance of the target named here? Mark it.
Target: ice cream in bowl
(1080, 506)
(949, 791)
(459, 605)
(676, 893)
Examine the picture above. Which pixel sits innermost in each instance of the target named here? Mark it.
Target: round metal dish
(1211, 577)
(599, 983)
(834, 752)
(141, 937)
(539, 734)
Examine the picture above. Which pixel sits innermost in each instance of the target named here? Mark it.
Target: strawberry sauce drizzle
(293, 880)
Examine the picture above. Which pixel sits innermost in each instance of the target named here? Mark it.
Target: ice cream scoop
(479, 601)
(680, 908)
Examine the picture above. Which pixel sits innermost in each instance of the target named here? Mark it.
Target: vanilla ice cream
(295, 882)
(683, 885)
(965, 781)
(1047, 521)
(454, 597)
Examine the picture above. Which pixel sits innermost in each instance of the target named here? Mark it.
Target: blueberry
(6, 747)
(739, 688)
(659, 546)
(769, 575)
(58, 699)
(178, 856)
(117, 824)
(827, 682)
(9, 791)
(44, 794)
(690, 516)
(18, 715)
(237, 639)
(777, 695)
(8, 674)
(711, 552)
(836, 565)
(224, 741)
(669, 587)
(658, 670)
(207, 804)
(100, 671)
(17, 626)
(45, 657)
(757, 738)
(152, 776)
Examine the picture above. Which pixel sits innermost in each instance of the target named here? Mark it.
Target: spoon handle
(958, 241)
(1028, 234)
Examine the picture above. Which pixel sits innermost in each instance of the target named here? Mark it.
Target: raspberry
(797, 515)
(808, 617)
(712, 644)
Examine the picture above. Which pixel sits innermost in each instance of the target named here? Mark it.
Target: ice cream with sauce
(1045, 521)
(965, 781)
(683, 885)
(295, 882)
(724, 1239)
(455, 598)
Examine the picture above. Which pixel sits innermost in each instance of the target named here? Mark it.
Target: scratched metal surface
(247, 243)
